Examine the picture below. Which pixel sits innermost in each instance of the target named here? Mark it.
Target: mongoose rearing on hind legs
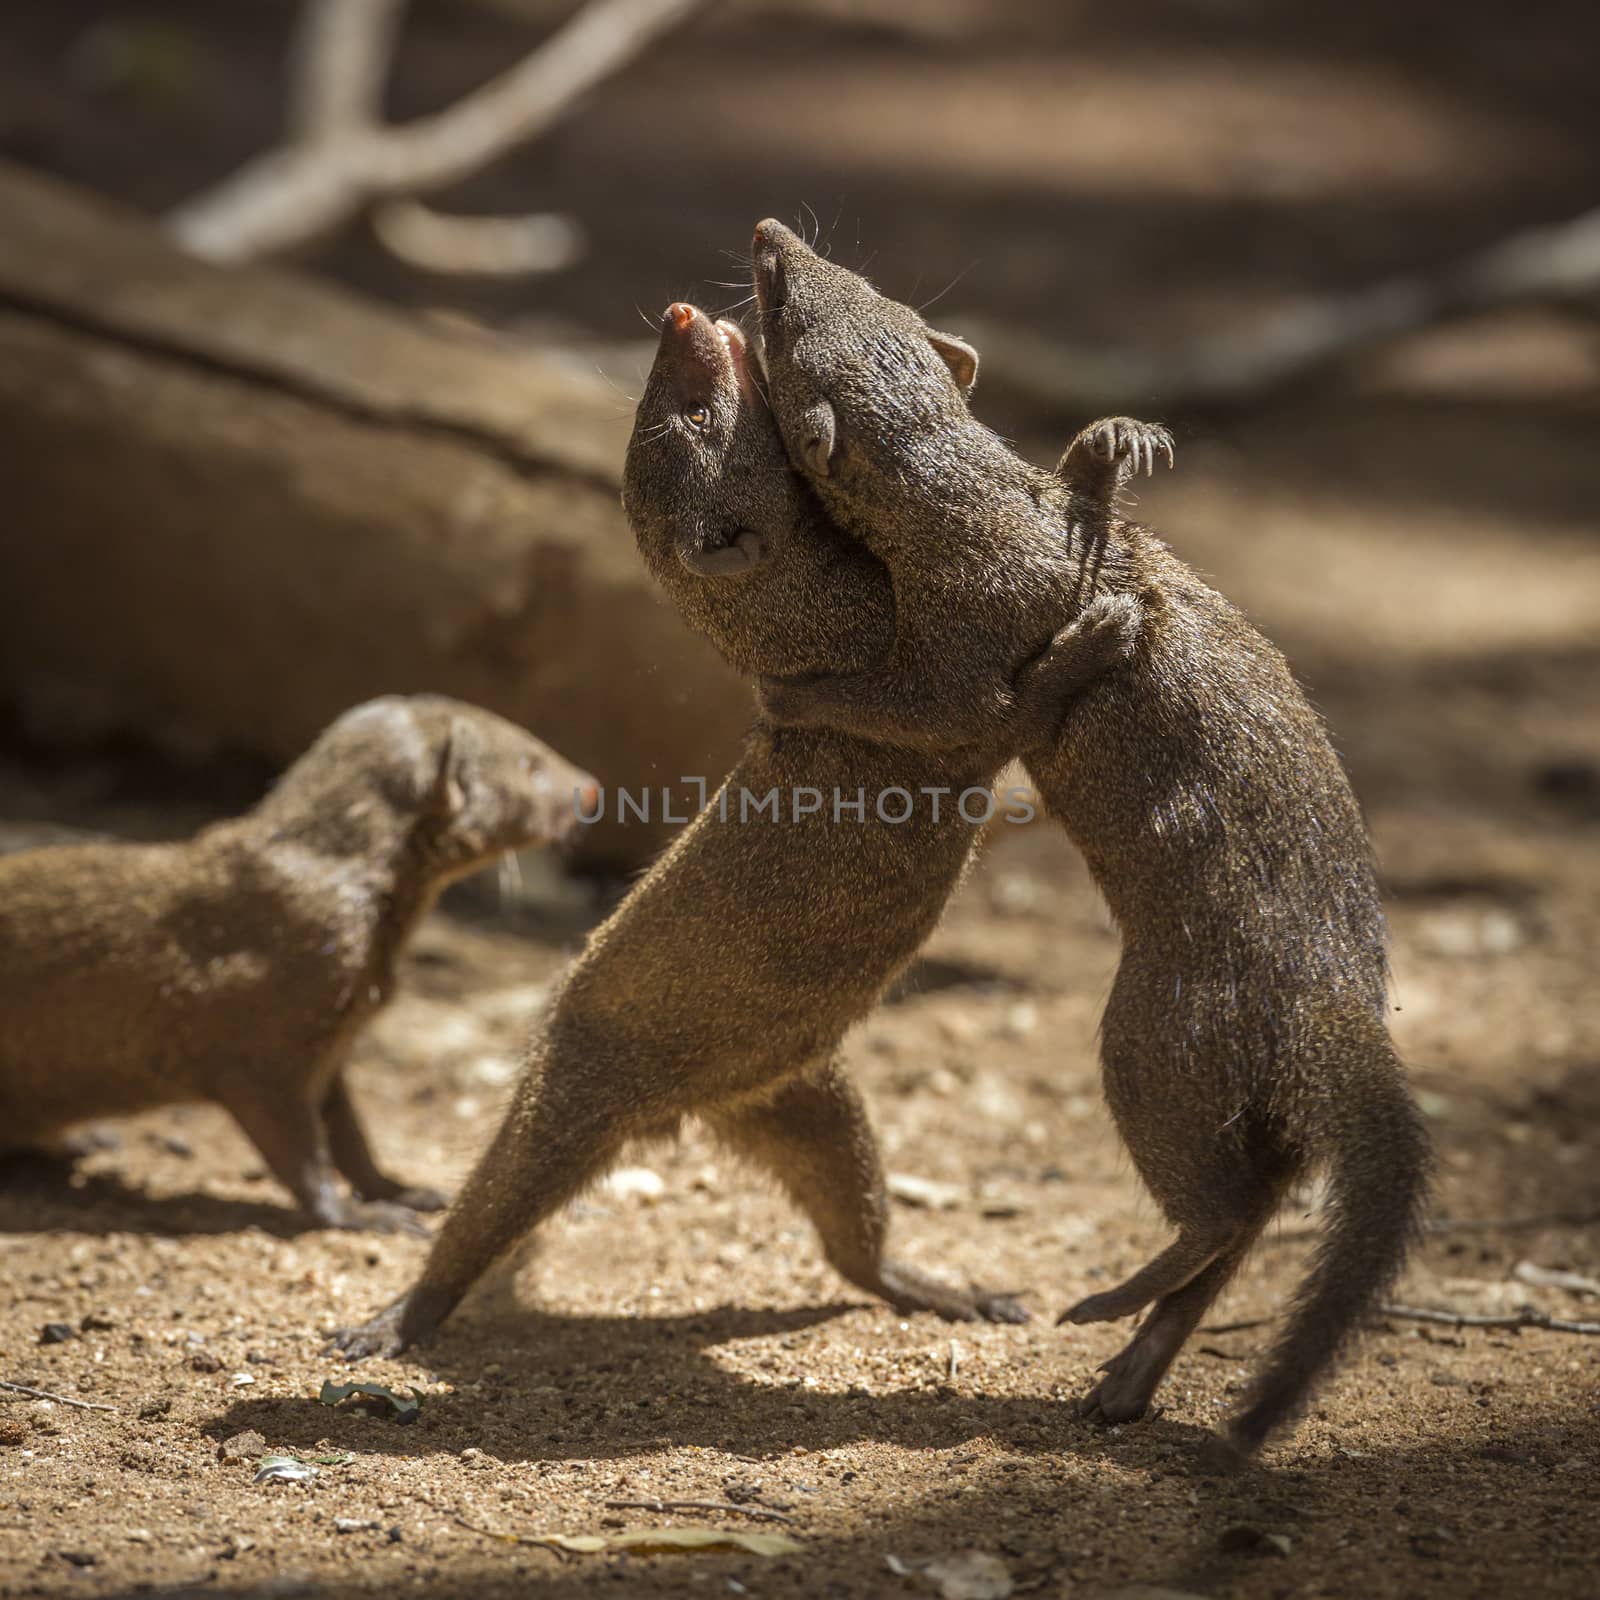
(238, 966)
(1244, 1040)
(724, 982)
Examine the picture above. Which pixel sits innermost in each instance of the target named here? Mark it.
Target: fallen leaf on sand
(927, 1193)
(971, 1575)
(283, 1468)
(404, 1407)
(667, 1540)
(1554, 1278)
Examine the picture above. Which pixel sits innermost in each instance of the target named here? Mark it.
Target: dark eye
(698, 417)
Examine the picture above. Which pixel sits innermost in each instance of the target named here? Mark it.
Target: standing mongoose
(1244, 1040)
(724, 982)
(238, 966)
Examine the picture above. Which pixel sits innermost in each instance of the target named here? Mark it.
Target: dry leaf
(404, 1407)
(972, 1575)
(660, 1540)
(1554, 1278)
(927, 1193)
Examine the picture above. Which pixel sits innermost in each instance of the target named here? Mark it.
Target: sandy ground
(692, 1345)
(1421, 538)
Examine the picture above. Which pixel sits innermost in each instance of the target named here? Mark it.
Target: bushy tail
(1379, 1164)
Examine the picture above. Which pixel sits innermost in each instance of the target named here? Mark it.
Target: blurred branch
(1554, 265)
(342, 160)
(339, 63)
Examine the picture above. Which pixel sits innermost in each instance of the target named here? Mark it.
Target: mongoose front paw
(419, 1199)
(1114, 440)
(1102, 635)
(907, 1289)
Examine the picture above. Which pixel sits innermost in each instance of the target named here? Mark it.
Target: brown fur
(723, 984)
(1244, 1040)
(238, 966)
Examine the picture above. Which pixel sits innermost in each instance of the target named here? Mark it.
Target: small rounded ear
(448, 795)
(818, 435)
(956, 354)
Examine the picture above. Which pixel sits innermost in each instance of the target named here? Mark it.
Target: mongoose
(1244, 1039)
(238, 966)
(723, 983)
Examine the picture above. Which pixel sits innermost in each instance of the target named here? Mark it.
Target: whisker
(610, 383)
(948, 287)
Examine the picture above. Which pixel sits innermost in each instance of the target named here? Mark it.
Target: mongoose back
(238, 966)
(724, 982)
(1244, 1038)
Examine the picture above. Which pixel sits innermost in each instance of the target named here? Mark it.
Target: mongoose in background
(1244, 1039)
(238, 966)
(723, 983)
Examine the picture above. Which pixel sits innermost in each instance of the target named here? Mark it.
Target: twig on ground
(1522, 1317)
(45, 1394)
(1548, 1219)
(342, 160)
(955, 1361)
(1237, 1327)
(727, 1507)
(509, 1538)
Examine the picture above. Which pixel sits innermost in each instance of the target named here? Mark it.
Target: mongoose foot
(371, 1216)
(1131, 1378)
(1119, 1397)
(419, 1199)
(414, 1317)
(908, 1290)
(1219, 1457)
(1117, 439)
(1105, 1307)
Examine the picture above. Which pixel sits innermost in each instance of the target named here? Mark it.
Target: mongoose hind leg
(558, 1136)
(814, 1137)
(289, 1132)
(347, 1141)
(1135, 1372)
(1185, 1258)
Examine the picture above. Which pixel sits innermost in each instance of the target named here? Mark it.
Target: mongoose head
(857, 381)
(706, 483)
(464, 785)
(730, 531)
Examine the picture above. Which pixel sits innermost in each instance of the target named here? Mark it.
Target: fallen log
(234, 502)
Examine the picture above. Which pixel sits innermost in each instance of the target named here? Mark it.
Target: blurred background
(1348, 252)
(320, 329)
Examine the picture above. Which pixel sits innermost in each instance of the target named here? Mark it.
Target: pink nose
(680, 314)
